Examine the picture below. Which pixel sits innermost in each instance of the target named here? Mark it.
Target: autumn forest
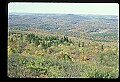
(62, 46)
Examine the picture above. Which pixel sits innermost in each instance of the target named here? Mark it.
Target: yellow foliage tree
(83, 57)
(36, 52)
(40, 46)
(9, 50)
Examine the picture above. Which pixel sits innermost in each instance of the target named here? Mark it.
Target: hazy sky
(65, 8)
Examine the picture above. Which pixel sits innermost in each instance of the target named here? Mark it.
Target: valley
(63, 46)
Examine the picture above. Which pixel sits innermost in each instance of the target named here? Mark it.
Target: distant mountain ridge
(68, 24)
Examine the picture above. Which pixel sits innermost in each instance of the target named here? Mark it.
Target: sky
(65, 8)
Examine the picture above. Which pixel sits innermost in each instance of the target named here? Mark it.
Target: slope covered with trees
(62, 46)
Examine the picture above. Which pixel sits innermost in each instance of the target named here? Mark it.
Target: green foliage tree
(11, 39)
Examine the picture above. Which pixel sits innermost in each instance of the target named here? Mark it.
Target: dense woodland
(62, 46)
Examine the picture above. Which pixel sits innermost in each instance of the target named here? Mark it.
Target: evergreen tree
(79, 44)
(31, 38)
(102, 47)
(61, 40)
(70, 41)
(46, 38)
(36, 42)
(44, 45)
(82, 44)
(49, 44)
(67, 39)
(36, 37)
(64, 38)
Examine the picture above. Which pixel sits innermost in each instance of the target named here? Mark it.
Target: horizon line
(62, 13)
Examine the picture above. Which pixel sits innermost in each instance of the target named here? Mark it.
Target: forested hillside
(62, 46)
